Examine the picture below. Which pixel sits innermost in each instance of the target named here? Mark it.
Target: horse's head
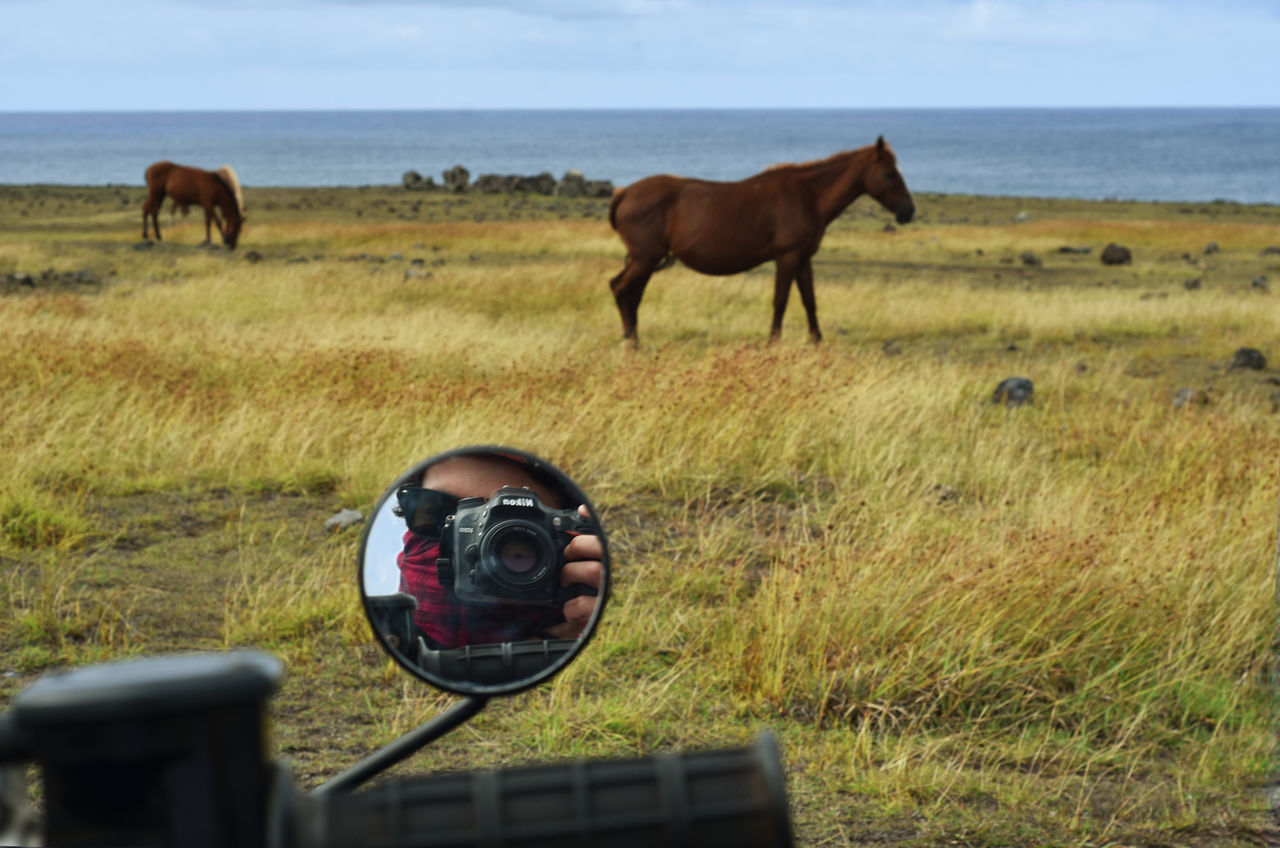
(232, 203)
(885, 184)
(231, 231)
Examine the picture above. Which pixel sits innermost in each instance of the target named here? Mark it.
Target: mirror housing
(472, 574)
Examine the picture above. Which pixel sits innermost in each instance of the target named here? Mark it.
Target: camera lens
(517, 555)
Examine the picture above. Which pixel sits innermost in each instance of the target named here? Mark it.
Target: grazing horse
(726, 228)
(210, 190)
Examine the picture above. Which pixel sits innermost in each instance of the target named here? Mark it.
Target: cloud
(78, 54)
(567, 10)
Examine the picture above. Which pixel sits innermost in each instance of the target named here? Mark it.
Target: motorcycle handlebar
(172, 751)
(732, 797)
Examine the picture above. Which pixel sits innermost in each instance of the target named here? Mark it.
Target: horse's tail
(156, 177)
(228, 175)
(618, 194)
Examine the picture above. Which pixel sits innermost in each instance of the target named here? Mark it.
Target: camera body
(509, 550)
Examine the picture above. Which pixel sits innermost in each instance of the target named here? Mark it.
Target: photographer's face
(481, 476)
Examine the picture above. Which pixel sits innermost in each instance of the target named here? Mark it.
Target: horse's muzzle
(905, 213)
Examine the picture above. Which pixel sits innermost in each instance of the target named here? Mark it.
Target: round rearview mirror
(484, 570)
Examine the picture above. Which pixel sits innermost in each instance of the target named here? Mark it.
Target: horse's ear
(880, 144)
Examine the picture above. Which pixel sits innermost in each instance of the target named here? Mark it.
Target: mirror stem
(387, 756)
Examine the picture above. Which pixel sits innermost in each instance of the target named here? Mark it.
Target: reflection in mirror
(484, 570)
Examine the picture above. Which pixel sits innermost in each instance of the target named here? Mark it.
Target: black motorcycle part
(154, 752)
(718, 798)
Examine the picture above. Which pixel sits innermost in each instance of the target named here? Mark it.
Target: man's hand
(583, 564)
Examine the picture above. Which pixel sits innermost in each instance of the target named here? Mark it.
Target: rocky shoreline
(457, 180)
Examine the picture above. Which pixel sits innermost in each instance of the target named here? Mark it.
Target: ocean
(1184, 155)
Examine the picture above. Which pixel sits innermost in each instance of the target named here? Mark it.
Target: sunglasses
(424, 510)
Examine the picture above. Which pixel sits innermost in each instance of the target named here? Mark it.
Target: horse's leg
(804, 282)
(155, 199)
(628, 289)
(210, 215)
(785, 268)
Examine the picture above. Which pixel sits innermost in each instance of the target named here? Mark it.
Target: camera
(509, 550)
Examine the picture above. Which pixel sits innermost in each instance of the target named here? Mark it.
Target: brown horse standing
(210, 190)
(727, 228)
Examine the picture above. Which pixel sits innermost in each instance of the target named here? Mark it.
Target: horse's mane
(815, 163)
(228, 175)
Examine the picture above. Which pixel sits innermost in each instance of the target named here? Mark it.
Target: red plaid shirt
(448, 623)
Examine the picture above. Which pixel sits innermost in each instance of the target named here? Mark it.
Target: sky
(564, 54)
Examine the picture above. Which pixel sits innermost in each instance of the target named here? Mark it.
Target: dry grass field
(968, 623)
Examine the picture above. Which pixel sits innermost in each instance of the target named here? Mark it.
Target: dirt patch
(160, 563)
(83, 281)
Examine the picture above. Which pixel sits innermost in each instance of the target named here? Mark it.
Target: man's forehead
(480, 477)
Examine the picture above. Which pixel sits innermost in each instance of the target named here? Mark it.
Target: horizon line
(1076, 107)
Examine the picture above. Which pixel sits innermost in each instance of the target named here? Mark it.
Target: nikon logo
(517, 501)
